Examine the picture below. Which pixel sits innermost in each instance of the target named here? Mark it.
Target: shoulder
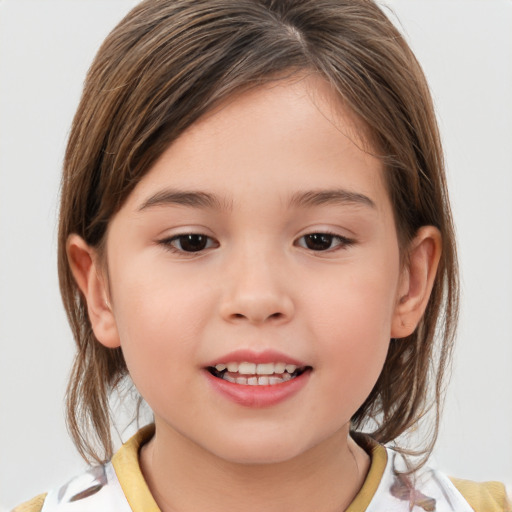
(391, 485)
(116, 486)
(34, 505)
(96, 489)
(484, 496)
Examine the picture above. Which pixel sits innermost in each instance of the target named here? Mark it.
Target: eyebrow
(185, 198)
(327, 197)
(205, 200)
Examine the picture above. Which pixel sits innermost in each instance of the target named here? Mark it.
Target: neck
(183, 477)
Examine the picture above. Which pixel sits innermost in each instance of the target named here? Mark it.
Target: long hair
(166, 64)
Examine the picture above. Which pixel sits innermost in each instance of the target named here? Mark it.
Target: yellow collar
(135, 488)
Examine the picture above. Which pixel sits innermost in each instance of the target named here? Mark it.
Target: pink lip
(257, 396)
(249, 356)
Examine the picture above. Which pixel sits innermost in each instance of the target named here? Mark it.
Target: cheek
(150, 294)
(159, 318)
(353, 325)
(357, 304)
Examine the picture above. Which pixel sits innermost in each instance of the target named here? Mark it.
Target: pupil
(193, 243)
(318, 241)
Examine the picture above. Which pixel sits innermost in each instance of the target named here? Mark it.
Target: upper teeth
(256, 369)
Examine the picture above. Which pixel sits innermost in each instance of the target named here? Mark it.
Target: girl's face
(263, 236)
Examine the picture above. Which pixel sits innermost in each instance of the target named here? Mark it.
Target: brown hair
(164, 66)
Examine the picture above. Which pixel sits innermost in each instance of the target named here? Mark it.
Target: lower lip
(258, 396)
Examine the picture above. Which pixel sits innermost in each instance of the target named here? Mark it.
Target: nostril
(257, 318)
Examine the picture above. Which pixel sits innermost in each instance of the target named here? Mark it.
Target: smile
(261, 374)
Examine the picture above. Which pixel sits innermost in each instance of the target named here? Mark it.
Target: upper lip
(251, 356)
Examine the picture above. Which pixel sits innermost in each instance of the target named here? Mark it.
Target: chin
(259, 450)
(259, 456)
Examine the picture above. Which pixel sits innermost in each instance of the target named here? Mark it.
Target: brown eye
(190, 242)
(318, 241)
(323, 242)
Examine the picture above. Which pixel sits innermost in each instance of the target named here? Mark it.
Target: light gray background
(46, 47)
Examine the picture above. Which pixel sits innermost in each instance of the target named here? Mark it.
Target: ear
(416, 281)
(89, 276)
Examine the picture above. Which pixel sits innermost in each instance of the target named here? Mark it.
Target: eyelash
(169, 243)
(343, 242)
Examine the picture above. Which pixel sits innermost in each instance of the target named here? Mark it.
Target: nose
(256, 290)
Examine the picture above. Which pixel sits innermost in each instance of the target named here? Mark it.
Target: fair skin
(294, 259)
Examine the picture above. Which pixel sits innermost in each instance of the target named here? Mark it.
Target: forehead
(285, 136)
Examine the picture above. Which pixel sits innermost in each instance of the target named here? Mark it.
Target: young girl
(255, 230)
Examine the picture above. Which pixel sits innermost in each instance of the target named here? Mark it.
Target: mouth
(257, 374)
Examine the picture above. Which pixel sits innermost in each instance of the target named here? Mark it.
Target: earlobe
(417, 281)
(85, 266)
